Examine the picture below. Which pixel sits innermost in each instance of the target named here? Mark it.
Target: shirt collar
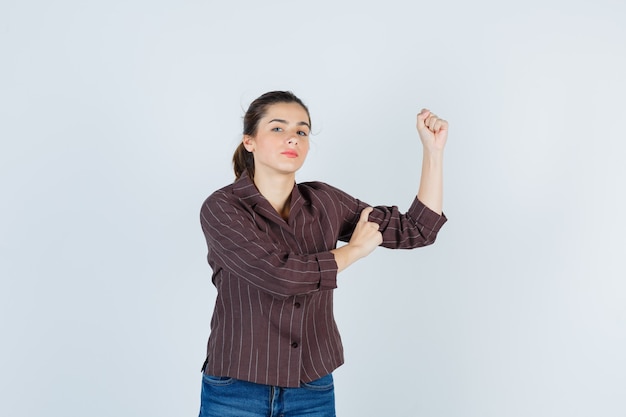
(245, 189)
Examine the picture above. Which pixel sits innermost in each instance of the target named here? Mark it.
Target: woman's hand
(432, 130)
(365, 238)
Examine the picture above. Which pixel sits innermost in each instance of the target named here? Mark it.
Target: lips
(290, 154)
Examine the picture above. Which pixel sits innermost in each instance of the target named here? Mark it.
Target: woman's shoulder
(220, 193)
(321, 188)
(315, 186)
(222, 197)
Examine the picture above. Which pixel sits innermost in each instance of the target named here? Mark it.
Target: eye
(302, 133)
(277, 129)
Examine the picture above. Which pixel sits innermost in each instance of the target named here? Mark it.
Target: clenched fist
(432, 130)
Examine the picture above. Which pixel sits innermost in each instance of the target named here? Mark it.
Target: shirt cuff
(328, 270)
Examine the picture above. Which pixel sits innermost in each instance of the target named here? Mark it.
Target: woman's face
(281, 142)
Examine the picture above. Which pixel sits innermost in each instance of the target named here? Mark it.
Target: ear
(248, 143)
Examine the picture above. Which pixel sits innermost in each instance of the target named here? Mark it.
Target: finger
(437, 125)
(421, 117)
(434, 123)
(432, 119)
(365, 214)
(440, 125)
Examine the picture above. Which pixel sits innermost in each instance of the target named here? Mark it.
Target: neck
(277, 190)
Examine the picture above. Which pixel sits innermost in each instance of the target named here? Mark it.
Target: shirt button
(294, 345)
(297, 305)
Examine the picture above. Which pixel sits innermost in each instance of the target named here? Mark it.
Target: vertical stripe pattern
(273, 319)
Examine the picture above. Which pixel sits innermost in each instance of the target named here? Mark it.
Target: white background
(118, 118)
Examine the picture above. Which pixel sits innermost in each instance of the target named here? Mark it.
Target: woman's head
(243, 160)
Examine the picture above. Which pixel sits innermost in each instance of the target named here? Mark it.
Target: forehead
(291, 112)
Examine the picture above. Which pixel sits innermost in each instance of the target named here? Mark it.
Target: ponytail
(243, 161)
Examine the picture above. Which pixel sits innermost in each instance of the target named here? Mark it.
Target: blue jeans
(229, 397)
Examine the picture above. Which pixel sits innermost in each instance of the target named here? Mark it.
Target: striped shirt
(273, 320)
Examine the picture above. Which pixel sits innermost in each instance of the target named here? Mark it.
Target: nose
(293, 140)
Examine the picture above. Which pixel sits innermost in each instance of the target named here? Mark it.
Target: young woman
(272, 246)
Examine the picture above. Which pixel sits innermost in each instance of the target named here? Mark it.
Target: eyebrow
(285, 122)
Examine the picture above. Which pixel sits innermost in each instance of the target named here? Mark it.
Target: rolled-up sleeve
(426, 221)
(416, 228)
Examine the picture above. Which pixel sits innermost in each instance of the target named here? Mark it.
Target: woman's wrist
(345, 256)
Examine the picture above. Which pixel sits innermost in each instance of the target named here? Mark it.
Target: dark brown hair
(242, 159)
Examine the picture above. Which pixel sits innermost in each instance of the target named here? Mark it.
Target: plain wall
(118, 118)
